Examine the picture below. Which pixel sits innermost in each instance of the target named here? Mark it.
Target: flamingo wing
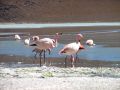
(45, 43)
(71, 48)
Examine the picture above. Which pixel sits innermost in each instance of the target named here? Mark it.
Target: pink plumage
(46, 43)
(72, 48)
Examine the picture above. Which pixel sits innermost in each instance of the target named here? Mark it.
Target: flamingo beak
(33, 44)
(82, 36)
(60, 33)
(82, 47)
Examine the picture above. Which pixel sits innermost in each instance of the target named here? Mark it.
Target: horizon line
(56, 25)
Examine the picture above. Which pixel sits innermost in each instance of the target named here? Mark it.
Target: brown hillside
(59, 10)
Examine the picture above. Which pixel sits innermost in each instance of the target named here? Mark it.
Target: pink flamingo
(72, 48)
(45, 44)
(27, 41)
(90, 42)
(17, 37)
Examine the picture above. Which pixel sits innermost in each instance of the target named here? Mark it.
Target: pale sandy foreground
(69, 83)
(32, 77)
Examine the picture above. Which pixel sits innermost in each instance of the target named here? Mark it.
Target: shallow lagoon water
(107, 46)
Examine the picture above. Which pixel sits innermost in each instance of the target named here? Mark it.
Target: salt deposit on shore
(34, 71)
(32, 77)
(68, 83)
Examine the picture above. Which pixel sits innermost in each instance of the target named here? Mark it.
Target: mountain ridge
(59, 10)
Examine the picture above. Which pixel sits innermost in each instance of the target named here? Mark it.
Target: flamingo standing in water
(27, 41)
(45, 44)
(72, 48)
(17, 37)
(90, 42)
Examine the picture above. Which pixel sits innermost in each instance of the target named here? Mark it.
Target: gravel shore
(32, 77)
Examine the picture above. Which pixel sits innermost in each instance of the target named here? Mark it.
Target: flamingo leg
(35, 56)
(49, 50)
(44, 56)
(76, 58)
(40, 54)
(72, 61)
(66, 61)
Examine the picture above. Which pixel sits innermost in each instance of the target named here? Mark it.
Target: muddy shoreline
(54, 30)
(59, 62)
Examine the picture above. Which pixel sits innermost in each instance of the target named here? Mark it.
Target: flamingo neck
(78, 41)
(78, 38)
(56, 40)
(55, 43)
(29, 39)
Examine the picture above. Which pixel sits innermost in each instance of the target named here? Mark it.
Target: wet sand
(52, 31)
(58, 62)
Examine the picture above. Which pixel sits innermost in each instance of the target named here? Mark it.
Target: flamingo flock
(47, 44)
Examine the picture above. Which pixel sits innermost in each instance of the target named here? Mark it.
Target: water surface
(107, 46)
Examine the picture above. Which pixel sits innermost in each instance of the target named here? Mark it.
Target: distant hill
(59, 10)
